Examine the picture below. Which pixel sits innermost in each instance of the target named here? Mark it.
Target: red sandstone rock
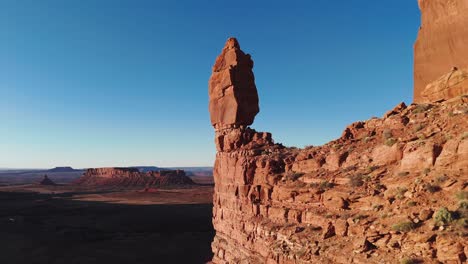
(232, 91)
(132, 178)
(442, 42)
(366, 197)
(450, 85)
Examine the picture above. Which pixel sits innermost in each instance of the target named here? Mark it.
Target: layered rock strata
(441, 44)
(452, 84)
(132, 177)
(378, 194)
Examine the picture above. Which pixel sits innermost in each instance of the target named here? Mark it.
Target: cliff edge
(441, 49)
(389, 189)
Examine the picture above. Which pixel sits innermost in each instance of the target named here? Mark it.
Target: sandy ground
(60, 224)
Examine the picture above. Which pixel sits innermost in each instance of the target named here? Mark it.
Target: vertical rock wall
(442, 44)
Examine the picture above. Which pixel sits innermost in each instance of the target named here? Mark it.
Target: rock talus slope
(390, 189)
(441, 45)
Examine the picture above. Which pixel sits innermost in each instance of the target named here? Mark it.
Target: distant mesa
(47, 181)
(133, 178)
(146, 168)
(62, 169)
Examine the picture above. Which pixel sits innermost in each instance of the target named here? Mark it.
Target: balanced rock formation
(441, 45)
(46, 181)
(232, 91)
(390, 189)
(132, 178)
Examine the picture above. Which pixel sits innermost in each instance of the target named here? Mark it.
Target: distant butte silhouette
(46, 181)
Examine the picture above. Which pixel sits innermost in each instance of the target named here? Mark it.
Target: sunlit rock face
(370, 196)
(132, 178)
(441, 46)
(232, 91)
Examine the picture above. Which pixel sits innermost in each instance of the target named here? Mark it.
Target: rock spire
(232, 91)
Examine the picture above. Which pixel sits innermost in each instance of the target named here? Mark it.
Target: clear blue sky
(116, 83)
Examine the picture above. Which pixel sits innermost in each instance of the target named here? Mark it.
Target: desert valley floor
(57, 224)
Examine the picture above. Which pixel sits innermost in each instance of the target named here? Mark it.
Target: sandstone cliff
(132, 178)
(441, 45)
(390, 189)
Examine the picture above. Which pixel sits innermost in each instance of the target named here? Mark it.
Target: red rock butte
(389, 190)
(132, 177)
(440, 49)
(232, 91)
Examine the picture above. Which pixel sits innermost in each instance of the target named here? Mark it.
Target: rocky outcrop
(46, 181)
(452, 84)
(390, 189)
(132, 178)
(441, 44)
(232, 91)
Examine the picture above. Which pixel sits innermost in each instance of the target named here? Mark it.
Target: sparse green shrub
(403, 173)
(348, 169)
(421, 108)
(464, 136)
(418, 127)
(358, 218)
(372, 168)
(404, 226)
(412, 203)
(380, 186)
(390, 142)
(366, 139)
(451, 114)
(408, 261)
(387, 133)
(431, 188)
(325, 185)
(462, 222)
(292, 176)
(377, 207)
(462, 195)
(463, 205)
(443, 216)
(441, 179)
(447, 137)
(337, 146)
(426, 171)
(356, 180)
(400, 192)
(421, 137)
